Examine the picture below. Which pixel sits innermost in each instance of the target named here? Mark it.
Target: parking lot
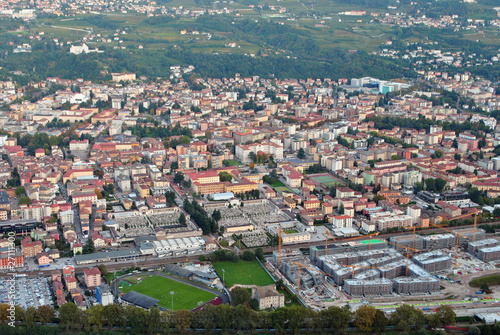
(34, 292)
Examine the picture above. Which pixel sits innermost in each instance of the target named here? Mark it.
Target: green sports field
(326, 180)
(243, 272)
(185, 296)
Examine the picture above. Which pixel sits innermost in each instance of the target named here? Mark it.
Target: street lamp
(172, 293)
(223, 276)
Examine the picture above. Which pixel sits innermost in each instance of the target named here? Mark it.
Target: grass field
(490, 280)
(232, 162)
(283, 188)
(291, 231)
(185, 296)
(277, 183)
(243, 272)
(326, 180)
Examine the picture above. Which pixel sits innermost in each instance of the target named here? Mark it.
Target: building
(92, 277)
(31, 248)
(268, 297)
(104, 295)
(269, 148)
(342, 221)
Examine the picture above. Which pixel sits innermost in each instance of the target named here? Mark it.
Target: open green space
(277, 183)
(185, 296)
(291, 231)
(327, 180)
(283, 189)
(243, 272)
(232, 162)
(490, 280)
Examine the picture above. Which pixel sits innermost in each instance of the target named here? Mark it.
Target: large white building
(269, 148)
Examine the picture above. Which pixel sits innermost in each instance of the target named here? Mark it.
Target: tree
(259, 254)
(336, 319)
(29, 316)
(69, 316)
(24, 201)
(407, 316)
(341, 209)
(240, 295)
(208, 134)
(182, 219)
(225, 176)
(89, 247)
(440, 184)
(380, 322)
(457, 157)
(45, 314)
(102, 269)
(496, 212)
(446, 315)
(98, 193)
(20, 190)
(216, 215)
(182, 320)
(179, 177)
(94, 318)
(473, 330)
(485, 288)
(251, 165)
(301, 154)
(184, 140)
(248, 255)
(364, 318)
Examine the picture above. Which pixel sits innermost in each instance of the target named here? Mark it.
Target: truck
(426, 309)
(479, 292)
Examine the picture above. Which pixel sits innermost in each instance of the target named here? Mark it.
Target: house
(70, 282)
(268, 297)
(43, 259)
(92, 277)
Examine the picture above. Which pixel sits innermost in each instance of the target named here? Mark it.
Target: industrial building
(433, 261)
(368, 287)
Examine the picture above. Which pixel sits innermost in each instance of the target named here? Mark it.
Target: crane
(407, 253)
(326, 240)
(456, 245)
(476, 213)
(309, 267)
(413, 228)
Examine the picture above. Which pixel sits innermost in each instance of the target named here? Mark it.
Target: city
(152, 200)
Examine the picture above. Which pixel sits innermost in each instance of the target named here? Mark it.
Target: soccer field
(243, 272)
(185, 296)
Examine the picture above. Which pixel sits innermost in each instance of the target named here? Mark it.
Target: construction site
(409, 265)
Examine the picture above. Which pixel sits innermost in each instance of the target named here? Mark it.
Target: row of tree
(294, 319)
